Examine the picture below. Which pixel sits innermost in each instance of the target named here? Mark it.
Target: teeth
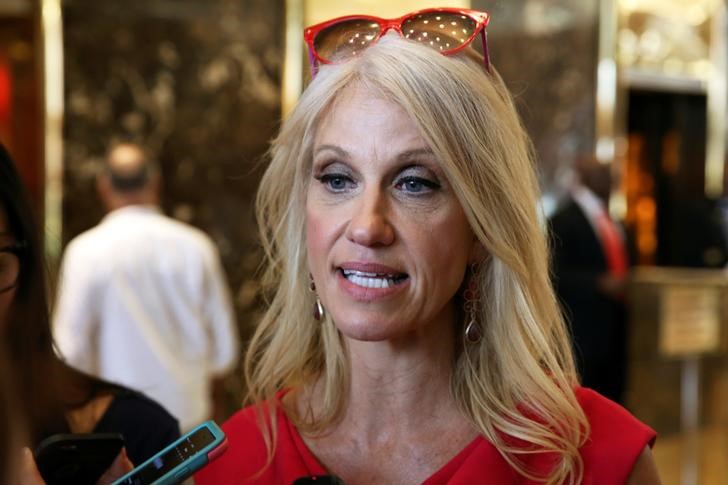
(370, 280)
(348, 272)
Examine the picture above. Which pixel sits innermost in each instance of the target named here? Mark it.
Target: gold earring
(473, 332)
(318, 308)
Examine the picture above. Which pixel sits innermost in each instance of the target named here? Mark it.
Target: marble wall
(546, 52)
(196, 81)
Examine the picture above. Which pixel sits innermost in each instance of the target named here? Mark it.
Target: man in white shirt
(142, 298)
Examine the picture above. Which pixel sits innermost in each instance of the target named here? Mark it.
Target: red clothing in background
(617, 438)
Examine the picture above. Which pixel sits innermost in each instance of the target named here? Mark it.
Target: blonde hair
(516, 384)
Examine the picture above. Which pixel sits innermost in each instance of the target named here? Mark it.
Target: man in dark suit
(590, 269)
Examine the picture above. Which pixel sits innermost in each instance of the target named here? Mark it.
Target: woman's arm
(644, 471)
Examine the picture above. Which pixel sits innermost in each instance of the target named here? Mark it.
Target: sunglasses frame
(481, 19)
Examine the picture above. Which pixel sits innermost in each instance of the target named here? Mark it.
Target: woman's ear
(478, 253)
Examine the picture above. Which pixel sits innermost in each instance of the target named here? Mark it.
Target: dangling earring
(473, 332)
(318, 308)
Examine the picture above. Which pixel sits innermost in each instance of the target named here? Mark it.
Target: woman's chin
(364, 334)
(372, 331)
(366, 331)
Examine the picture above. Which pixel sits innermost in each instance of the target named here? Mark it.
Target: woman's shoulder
(616, 438)
(247, 459)
(243, 429)
(247, 449)
(128, 402)
(609, 420)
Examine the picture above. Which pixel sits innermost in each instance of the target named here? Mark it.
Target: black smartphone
(65, 459)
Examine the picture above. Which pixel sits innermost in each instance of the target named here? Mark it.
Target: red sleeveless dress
(617, 439)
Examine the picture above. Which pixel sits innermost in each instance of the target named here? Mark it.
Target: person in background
(142, 298)
(590, 269)
(52, 396)
(412, 333)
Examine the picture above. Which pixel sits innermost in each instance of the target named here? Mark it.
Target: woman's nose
(370, 224)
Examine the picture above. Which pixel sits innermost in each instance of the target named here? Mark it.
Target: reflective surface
(198, 84)
(666, 36)
(547, 54)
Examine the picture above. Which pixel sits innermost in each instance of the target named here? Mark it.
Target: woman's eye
(336, 182)
(416, 185)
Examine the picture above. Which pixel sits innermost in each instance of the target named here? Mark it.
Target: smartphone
(180, 459)
(77, 458)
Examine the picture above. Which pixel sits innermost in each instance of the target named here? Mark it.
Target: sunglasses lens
(345, 39)
(441, 30)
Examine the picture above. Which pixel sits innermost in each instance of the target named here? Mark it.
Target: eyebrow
(415, 153)
(406, 155)
(338, 150)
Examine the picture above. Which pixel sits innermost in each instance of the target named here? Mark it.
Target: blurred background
(639, 85)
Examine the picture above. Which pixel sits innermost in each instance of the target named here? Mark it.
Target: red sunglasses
(448, 30)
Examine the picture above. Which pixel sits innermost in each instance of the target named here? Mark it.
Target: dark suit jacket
(597, 321)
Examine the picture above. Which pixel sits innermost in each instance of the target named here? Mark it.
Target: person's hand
(120, 467)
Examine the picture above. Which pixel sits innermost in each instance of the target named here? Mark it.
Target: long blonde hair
(518, 381)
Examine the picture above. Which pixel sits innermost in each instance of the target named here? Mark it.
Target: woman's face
(388, 241)
(6, 239)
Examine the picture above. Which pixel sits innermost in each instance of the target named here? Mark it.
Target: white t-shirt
(143, 302)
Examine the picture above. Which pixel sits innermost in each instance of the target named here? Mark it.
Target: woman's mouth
(367, 279)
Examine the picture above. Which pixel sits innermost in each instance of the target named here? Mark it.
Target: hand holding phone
(181, 459)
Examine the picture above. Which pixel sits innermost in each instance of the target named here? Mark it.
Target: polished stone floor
(712, 452)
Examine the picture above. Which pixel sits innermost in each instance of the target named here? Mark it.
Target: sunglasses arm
(486, 53)
(313, 62)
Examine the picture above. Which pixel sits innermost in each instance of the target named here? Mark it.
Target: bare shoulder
(644, 470)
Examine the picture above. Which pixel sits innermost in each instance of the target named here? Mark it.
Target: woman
(54, 397)
(400, 204)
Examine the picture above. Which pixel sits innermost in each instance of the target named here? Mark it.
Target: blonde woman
(412, 334)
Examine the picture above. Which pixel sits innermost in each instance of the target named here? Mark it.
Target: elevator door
(672, 221)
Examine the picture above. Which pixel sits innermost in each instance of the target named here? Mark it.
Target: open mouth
(373, 280)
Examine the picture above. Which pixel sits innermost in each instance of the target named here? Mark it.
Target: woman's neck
(85, 418)
(399, 413)
(84, 398)
(396, 386)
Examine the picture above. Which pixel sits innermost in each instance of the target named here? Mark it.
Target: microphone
(319, 480)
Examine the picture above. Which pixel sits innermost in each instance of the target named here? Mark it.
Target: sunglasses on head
(448, 30)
